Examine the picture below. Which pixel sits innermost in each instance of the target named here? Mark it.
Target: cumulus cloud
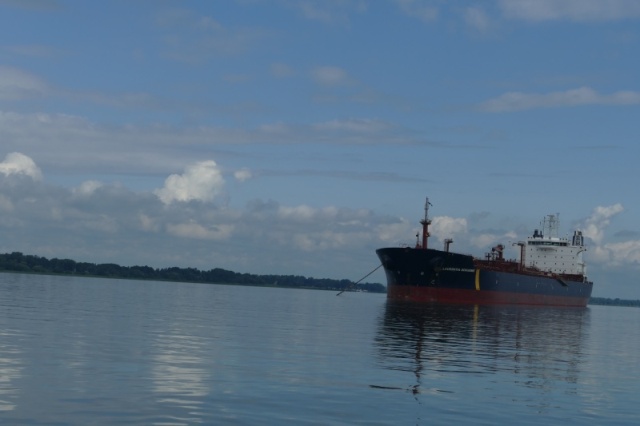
(623, 252)
(605, 253)
(390, 232)
(16, 163)
(518, 101)
(595, 225)
(201, 181)
(447, 227)
(617, 254)
(572, 10)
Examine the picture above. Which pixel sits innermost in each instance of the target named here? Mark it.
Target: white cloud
(328, 239)
(517, 101)
(447, 227)
(329, 76)
(16, 84)
(594, 226)
(305, 213)
(599, 254)
(16, 163)
(203, 236)
(201, 181)
(390, 232)
(197, 231)
(618, 254)
(243, 175)
(484, 240)
(624, 252)
(615, 255)
(572, 10)
(87, 188)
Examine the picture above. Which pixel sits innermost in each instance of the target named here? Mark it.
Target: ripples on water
(497, 364)
(482, 339)
(94, 351)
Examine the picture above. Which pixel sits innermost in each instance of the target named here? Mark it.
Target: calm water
(92, 351)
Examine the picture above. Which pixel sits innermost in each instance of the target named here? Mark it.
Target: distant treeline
(18, 262)
(613, 302)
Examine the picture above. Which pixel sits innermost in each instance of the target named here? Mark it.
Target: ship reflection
(539, 345)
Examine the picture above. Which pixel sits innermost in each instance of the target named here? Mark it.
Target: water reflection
(538, 345)
(10, 372)
(179, 373)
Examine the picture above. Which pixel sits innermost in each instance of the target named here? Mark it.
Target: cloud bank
(33, 210)
(518, 101)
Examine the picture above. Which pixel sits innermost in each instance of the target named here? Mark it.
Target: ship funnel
(578, 239)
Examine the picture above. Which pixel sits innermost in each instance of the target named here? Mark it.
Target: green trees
(18, 262)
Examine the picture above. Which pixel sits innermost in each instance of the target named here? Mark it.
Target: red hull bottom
(482, 297)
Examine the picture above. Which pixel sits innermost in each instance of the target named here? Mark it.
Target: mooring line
(357, 282)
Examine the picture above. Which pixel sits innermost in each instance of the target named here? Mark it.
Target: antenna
(551, 225)
(425, 224)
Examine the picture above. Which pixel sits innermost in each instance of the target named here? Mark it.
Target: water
(77, 351)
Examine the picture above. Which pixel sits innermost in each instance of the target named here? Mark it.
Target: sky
(297, 137)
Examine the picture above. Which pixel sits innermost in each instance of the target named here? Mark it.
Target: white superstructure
(548, 252)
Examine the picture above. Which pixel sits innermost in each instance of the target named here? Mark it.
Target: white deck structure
(548, 252)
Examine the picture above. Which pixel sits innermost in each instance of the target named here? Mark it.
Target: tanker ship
(550, 271)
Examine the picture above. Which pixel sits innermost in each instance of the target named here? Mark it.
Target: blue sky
(296, 137)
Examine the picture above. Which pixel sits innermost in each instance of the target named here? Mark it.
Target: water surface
(78, 351)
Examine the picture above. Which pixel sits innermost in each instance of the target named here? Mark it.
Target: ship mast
(550, 225)
(425, 224)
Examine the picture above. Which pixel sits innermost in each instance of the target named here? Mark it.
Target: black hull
(434, 276)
